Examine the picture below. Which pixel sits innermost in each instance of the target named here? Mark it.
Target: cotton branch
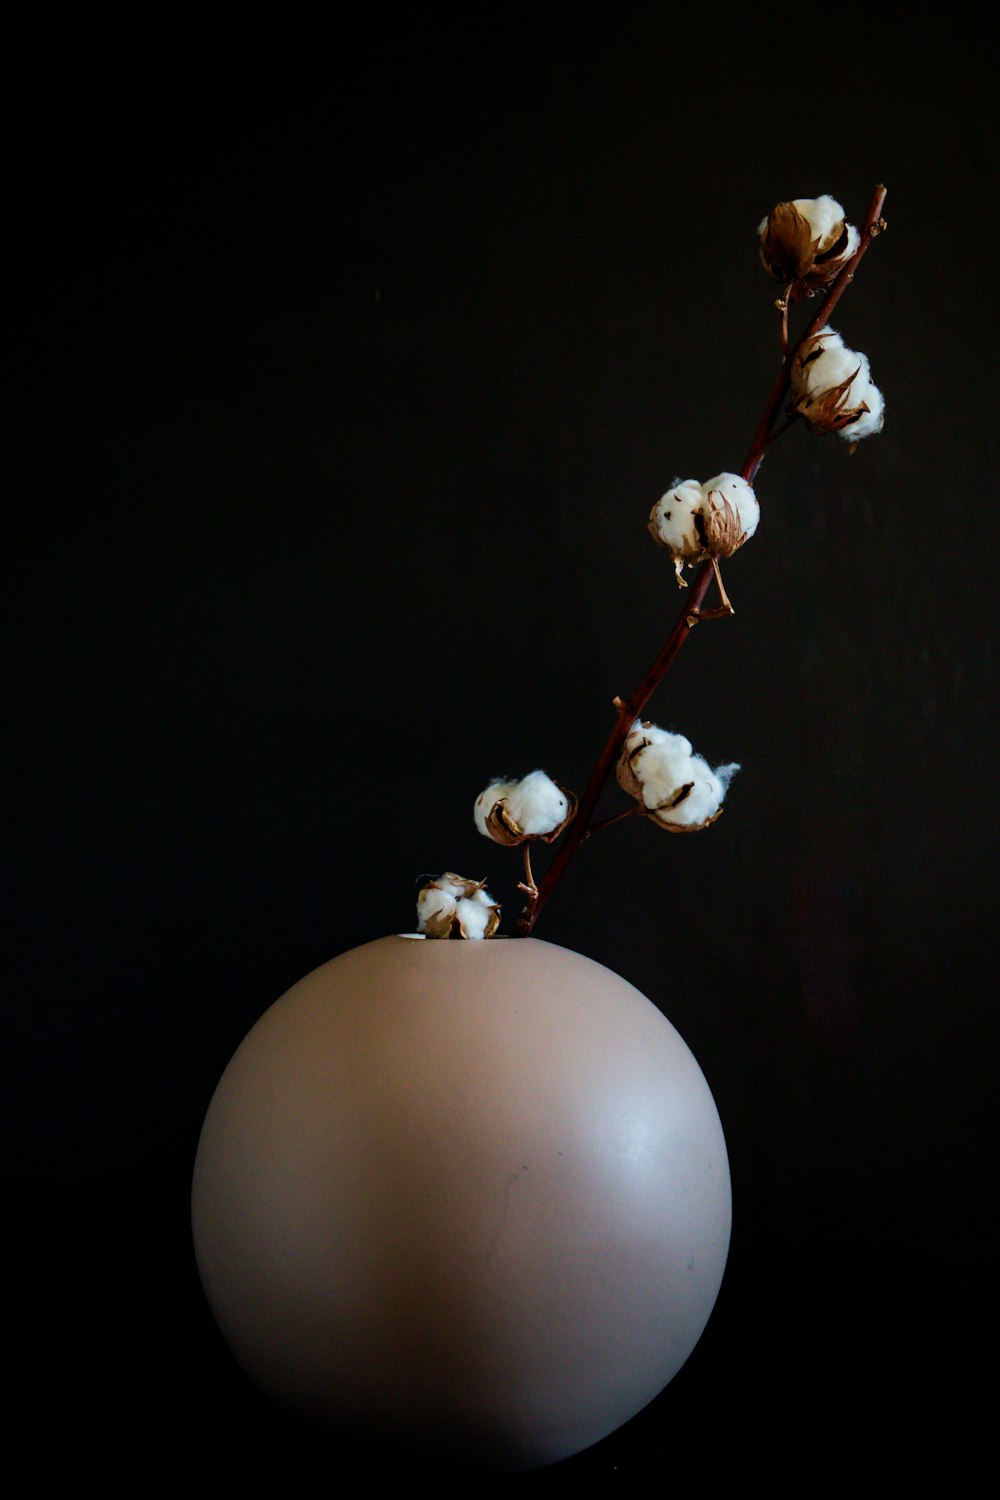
(627, 711)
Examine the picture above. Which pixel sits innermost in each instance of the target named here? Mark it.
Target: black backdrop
(348, 374)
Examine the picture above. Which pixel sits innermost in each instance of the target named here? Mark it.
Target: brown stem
(783, 305)
(628, 712)
(607, 822)
(778, 432)
(631, 710)
(727, 608)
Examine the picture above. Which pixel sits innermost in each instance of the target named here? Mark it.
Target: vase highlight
(471, 1198)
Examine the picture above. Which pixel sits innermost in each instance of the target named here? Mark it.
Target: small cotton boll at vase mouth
(833, 390)
(452, 906)
(695, 521)
(517, 812)
(670, 784)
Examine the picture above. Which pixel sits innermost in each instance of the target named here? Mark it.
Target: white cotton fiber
(834, 363)
(536, 804)
(824, 216)
(654, 735)
(705, 797)
(487, 800)
(864, 390)
(473, 916)
(433, 903)
(673, 517)
(852, 242)
(662, 770)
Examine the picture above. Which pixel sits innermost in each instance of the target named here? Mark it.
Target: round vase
(469, 1198)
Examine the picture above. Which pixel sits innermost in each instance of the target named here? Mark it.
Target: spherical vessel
(472, 1197)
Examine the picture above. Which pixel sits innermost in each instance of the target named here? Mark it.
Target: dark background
(346, 371)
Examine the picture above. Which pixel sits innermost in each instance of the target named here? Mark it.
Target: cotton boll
(514, 812)
(806, 242)
(451, 900)
(695, 521)
(676, 788)
(487, 800)
(735, 489)
(536, 804)
(833, 389)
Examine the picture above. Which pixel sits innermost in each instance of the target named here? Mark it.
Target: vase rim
(473, 942)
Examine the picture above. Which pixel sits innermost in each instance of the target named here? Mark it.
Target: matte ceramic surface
(469, 1196)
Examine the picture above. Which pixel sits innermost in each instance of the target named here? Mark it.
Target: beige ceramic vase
(470, 1198)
